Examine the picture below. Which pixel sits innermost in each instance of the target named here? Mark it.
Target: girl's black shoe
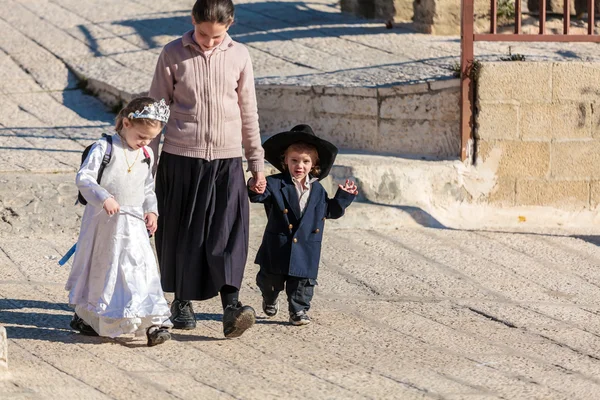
(157, 335)
(81, 326)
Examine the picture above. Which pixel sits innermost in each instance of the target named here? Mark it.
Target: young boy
(297, 206)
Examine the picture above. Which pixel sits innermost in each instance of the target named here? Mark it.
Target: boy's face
(299, 163)
(209, 34)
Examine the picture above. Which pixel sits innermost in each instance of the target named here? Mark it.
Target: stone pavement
(409, 305)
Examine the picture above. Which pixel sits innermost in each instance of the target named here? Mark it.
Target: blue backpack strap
(107, 155)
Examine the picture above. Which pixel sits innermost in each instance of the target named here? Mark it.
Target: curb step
(3, 349)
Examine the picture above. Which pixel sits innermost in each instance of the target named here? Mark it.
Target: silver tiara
(158, 110)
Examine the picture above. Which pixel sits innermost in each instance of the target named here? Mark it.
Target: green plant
(506, 9)
(513, 57)
(455, 68)
(475, 69)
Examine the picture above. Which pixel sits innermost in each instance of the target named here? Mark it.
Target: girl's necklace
(129, 166)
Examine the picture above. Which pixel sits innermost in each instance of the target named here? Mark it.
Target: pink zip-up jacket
(212, 101)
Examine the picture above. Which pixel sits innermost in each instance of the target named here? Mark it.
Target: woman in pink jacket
(202, 236)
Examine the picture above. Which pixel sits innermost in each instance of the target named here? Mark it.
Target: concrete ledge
(418, 120)
(449, 194)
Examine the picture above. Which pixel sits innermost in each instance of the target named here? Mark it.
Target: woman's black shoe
(81, 326)
(236, 319)
(182, 315)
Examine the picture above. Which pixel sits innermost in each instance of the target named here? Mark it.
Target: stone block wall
(538, 130)
(397, 10)
(419, 120)
(440, 17)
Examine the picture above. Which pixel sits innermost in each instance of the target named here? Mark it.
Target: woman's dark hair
(134, 105)
(215, 11)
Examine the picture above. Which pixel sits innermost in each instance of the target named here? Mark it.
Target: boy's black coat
(292, 244)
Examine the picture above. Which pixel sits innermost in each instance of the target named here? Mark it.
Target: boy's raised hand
(349, 187)
(111, 206)
(151, 222)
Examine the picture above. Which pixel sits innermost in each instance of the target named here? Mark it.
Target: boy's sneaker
(81, 326)
(236, 319)
(182, 315)
(299, 318)
(157, 335)
(270, 309)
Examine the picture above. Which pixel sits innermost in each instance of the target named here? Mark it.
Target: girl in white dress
(114, 284)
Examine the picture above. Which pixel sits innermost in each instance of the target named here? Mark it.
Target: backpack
(105, 161)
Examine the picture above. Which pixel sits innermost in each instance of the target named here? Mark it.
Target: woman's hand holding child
(111, 206)
(258, 182)
(349, 187)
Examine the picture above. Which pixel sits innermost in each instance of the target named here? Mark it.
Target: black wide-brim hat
(276, 145)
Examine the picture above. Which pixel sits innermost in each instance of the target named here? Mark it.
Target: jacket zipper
(208, 108)
(199, 108)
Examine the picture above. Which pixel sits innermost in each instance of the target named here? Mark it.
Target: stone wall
(538, 130)
(397, 10)
(417, 120)
(440, 17)
(420, 120)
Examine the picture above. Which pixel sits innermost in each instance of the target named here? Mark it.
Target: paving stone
(405, 307)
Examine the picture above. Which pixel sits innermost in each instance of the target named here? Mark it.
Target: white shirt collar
(307, 182)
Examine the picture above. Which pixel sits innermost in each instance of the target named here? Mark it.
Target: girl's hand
(151, 222)
(111, 206)
(349, 187)
(258, 183)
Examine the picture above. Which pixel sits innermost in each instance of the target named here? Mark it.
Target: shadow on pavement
(55, 327)
(593, 239)
(192, 337)
(85, 105)
(265, 321)
(16, 304)
(208, 317)
(419, 215)
(51, 335)
(262, 22)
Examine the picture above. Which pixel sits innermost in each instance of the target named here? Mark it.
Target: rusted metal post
(542, 17)
(591, 22)
(494, 16)
(567, 17)
(466, 86)
(517, 16)
(534, 38)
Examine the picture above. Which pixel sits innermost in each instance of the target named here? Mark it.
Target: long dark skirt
(202, 236)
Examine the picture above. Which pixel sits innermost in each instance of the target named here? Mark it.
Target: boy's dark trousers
(300, 291)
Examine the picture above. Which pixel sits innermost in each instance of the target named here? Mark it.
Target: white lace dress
(114, 283)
